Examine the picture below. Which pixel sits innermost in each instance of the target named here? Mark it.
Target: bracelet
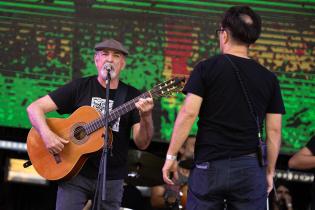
(171, 157)
(289, 205)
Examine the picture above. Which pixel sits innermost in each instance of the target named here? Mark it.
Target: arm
(36, 113)
(143, 131)
(184, 121)
(273, 140)
(303, 159)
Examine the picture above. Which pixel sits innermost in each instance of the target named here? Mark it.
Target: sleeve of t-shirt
(195, 83)
(311, 145)
(64, 98)
(276, 103)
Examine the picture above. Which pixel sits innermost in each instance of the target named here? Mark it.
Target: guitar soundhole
(79, 133)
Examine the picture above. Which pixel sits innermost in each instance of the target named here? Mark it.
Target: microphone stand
(101, 179)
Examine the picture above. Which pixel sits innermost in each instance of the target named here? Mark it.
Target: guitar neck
(114, 114)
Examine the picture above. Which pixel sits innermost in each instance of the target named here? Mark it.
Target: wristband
(171, 157)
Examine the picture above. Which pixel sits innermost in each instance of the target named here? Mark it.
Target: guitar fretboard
(114, 114)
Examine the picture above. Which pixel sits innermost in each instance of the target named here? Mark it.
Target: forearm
(37, 119)
(302, 162)
(36, 113)
(184, 121)
(273, 140)
(145, 133)
(182, 127)
(273, 146)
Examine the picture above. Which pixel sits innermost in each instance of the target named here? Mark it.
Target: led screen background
(47, 43)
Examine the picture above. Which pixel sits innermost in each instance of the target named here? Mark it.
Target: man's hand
(36, 112)
(143, 131)
(53, 142)
(170, 166)
(269, 182)
(145, 106)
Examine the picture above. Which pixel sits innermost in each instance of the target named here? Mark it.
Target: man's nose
(109, 58)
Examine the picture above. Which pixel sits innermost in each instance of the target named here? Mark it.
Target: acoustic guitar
(83, 129)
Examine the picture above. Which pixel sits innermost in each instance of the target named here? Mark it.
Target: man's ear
(96, 58)
(124, 63)
(226, 37)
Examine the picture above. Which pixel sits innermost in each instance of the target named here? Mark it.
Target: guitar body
(71, 159)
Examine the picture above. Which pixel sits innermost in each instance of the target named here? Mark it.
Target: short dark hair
(245, 32)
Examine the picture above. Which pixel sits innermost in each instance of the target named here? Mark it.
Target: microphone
(108, 71)
(107, 67)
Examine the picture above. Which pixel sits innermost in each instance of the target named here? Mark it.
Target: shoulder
(262, 69)
(85, 80)
(82, 80)
(270, 75)
(205, 66)
(252, 64)
(209, 62)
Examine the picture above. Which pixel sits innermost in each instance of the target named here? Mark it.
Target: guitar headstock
(168, 87)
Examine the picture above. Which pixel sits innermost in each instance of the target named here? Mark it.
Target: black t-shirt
(225, 127)
(88, 91)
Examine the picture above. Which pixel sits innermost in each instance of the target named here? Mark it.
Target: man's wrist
(171, 157)
(147, 116)
(270, 171)
(146, 113)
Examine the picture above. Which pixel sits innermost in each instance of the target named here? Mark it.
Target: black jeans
(239, 183)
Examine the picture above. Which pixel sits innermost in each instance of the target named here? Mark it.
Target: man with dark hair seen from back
(233, 96)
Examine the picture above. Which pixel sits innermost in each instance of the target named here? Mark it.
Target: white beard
(104, 74)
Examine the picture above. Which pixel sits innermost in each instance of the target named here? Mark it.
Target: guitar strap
(261, 152)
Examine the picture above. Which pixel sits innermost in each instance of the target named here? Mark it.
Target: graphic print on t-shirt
(99, 104)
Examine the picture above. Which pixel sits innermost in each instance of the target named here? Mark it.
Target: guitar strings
(167, 87)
